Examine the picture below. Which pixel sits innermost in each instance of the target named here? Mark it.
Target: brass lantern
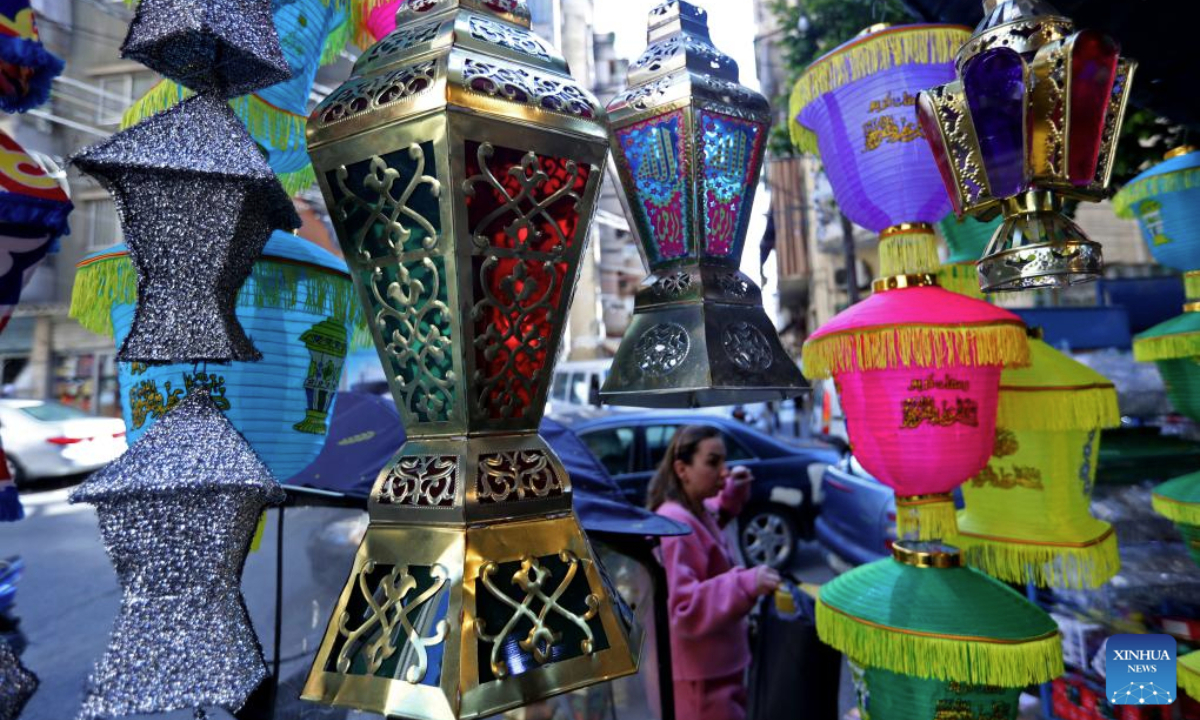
(1032, 119)
(460, 163)
(688, 141)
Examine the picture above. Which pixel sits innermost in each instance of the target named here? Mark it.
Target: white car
(45, 439)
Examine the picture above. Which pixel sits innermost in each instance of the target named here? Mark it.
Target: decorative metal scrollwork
(508, 36)
(643, 97)
(747, 347)
(378, 635)
(398, 41)
(661, 349)
(359, 96)
(523, 473)
(658, 54)
(520, 85)
(524, 230)
(956, 124)
(413, 319)
(732, 285)
(399, 220)
(421, 481)
(1086, 476)
(532, 580)
(673, 285)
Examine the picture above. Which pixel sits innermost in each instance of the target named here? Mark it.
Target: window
(117, 91)
(53, 412)
(579, 389)
(658, 437)
(558, 391)
(612, 447)
(100, 226)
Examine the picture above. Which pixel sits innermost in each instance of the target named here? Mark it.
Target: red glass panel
(927, 116)
(1093, 69)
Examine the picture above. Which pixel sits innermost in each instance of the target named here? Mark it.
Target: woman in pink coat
(709, 595)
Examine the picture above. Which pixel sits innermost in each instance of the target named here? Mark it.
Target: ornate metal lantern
(688, 140)
(460, 163)
(1032, 119)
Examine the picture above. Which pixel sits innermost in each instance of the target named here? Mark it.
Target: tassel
(908, 252)
(259, 530)
(1123, 202)
(1079, 567)
(1075, 408)
(1014, 664)
(961, 278)
(1184, 513)
(360, 14)
(10, 503)
(923, 346)
(336, 41)
(1189, 674)
(1166, 347)
(857, 59)
(926, 517)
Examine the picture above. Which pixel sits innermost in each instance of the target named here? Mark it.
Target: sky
(731, 26)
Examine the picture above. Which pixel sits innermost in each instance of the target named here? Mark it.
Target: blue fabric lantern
(1166, 202)
(297, 307)
(312, 33)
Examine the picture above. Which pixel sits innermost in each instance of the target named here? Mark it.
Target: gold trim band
(1191, 307)
(899, 282)
(906, 229)
(948, 557)
(1176, 152)
(1056, 388)
(940, 636)
(930, 499)
(1173, 501)
(1040, 543)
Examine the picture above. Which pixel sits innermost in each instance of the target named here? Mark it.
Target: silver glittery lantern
(17, 684)
(688, 141)
(224, 48)
(197, 202)
(177, 512)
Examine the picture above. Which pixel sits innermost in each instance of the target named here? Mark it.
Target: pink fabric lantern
(373, 19)
(918, 372)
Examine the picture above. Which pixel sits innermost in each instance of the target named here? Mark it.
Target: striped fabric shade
(297, 307)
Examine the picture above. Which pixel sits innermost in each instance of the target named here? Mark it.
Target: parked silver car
(45, 439)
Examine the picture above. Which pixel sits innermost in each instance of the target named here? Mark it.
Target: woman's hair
(666, 485)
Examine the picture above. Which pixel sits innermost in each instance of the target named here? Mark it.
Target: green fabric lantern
(885, 695)
(922, 614)
(1189, 674)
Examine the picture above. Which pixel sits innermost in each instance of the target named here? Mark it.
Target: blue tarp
(366, 431)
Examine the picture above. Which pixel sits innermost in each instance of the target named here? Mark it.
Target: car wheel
(767, 537)
(14, 471)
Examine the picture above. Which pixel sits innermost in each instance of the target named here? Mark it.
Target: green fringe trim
(857, 59)
(112, 281)
(908, 253)
(1046, 565)
(1034, 408)
(930, 520)
(1191, 285)
(977, 662)
(163, 96)
(1175, 511)
(961, 278)
(1134, 193)
(1166, 347)
(336, 41)
(1189, 674)
(921, 346)
(302, 179)
(359, 14)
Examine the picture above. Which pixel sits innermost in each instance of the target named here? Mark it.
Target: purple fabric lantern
(856, 107)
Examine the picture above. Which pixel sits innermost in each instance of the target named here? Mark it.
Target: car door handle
(837, 485)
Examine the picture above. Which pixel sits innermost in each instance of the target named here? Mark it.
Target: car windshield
(53, 412)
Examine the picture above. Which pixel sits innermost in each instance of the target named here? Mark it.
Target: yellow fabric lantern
(1027, 516)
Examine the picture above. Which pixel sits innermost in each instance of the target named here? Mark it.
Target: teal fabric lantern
(1165, 200)
(297, 307)
(966, 240)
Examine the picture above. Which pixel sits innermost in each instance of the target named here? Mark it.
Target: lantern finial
(688, 142)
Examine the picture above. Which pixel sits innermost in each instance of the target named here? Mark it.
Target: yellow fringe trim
(978, 661)
(1081, 408)
(359, 16)
(1189, 674)
(904, 45)
(932, 520)
(1167, 347)
(1135, 192)
(95, 292)
(337, 40)
(1176, 511)
(919, 346)
(1191, 285)
(1049, 565)
(908, 253)
(961, 278)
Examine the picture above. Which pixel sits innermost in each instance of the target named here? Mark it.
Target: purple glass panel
(1093, 68)
(654, 152)
(874, 152)
(994, 83)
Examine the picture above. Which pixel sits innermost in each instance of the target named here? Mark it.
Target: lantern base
(1038, 247)
(700, 344)
(464, 622)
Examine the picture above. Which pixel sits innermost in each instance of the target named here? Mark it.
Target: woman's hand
(740, 475)
(766, 580)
